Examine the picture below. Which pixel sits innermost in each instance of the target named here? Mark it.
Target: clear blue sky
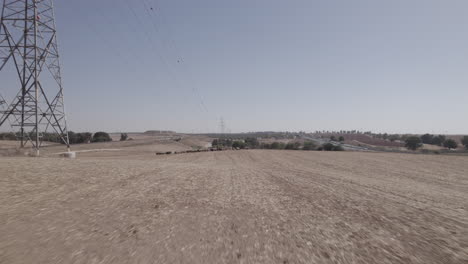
(393, 66)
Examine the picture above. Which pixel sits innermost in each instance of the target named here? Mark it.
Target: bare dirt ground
(254, 206)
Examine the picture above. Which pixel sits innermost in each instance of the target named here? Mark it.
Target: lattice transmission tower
(28, 41)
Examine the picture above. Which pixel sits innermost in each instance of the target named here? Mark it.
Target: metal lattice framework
(28, 40)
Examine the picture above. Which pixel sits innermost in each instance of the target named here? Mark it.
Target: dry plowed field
(254, 206)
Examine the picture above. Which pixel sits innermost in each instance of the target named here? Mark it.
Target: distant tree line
(236, 143)
(253, 143)
(340, 139)
(263, 134)
(415, 142)
(79, 138)
(433, 140)
(8, 136)
(74, 138)
(343, 132)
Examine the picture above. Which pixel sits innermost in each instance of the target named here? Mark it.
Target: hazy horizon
(394, 67)
(266, 131)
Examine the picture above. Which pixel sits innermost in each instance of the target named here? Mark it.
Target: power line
(176, 80)
(150, 11)
(179, 78)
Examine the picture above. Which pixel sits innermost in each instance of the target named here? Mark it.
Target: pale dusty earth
(252, 206)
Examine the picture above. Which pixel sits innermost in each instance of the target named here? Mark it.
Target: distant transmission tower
(222, 126)
(28, 40)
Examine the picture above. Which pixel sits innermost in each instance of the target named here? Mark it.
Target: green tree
(238, 144)
(252, 142)
(464, 141)
(222, 142)
(84, 137)
(338, 148)
(293, 145)
(341, 139)
(265, 146)
(333, 138)
(101, 137)
(72, 137)
(427, 138)
(450, 144)
(438, 140)
(52, 137)
(277, 145)
(123, 136)
(328, 146)
(8, 136)
(413, 143)
(309, 145)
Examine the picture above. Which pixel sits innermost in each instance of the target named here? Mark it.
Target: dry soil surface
(254, 206)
